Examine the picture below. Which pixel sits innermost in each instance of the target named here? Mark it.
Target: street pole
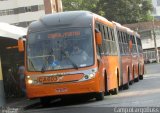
(2, 96)
(155, 42)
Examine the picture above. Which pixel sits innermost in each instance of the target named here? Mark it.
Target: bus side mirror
(20, 45)
(98, 38)
(130, 44)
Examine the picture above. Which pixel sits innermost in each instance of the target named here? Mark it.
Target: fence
(150, 56)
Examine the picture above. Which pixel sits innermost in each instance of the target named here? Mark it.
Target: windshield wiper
(72, 62)
(46, 60)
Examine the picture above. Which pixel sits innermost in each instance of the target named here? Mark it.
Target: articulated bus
(79, 52)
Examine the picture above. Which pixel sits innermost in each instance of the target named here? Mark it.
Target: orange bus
(125, 56)
(134, 58)
(131, 60)
(77, 52)
(140, 57)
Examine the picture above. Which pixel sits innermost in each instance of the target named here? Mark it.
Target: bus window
(106, 33)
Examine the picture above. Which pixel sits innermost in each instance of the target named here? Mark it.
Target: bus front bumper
(60, 89)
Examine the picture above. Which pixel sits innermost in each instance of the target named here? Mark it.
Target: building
(23, 12)
(156, 8)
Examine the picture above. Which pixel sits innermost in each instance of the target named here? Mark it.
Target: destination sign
(65, 34)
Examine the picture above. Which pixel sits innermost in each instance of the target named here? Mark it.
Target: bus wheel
(99, 96)
(141, 77)
(106, 93)
(136, 79)
(126, 86)
(45, 101)
(115, 90)
(106, 86)
(131, 82)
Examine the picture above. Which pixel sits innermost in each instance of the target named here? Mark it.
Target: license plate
(61, 90)
(48, 79)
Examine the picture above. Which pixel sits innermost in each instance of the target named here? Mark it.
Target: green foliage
(122, 11)
(70, 5)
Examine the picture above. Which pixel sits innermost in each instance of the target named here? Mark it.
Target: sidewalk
(17, 105)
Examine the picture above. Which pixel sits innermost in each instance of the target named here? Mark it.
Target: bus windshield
(60, 49)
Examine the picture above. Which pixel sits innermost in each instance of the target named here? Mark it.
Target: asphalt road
(145, 93)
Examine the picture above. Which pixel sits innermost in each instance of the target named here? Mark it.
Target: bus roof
(103, 20)
(129, 31)
(62, 20)
(120, 27)
(138, 35)
(71, 19)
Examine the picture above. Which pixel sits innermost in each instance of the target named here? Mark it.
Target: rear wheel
(106, 86)
(115, 90)
(136, 79)
(126, 86)
(141, 77)
(99, 96)
(130, 81)
(45, 101)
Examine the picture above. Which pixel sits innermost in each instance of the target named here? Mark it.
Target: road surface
(145, 93)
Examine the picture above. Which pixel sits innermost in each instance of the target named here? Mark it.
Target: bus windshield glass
(60, 49)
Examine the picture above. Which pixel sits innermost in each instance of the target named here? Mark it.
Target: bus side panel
(101, 75)
(113, 65)
(135, 64)
(141, 61)
(126, 63)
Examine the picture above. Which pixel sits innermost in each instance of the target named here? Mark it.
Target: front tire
(45, 101)
(99, 96)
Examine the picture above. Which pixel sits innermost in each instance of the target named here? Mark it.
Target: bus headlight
(88, 77)
(28, 77)
(30, 81)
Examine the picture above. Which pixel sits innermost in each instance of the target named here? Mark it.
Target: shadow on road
(59, 102)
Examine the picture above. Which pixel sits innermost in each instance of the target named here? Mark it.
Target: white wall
(22, 17)
(29, 16)
(154, 2)
(10, 4)
(157, 8)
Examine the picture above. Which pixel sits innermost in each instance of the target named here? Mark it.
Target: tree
(122, 11)
(70, 5)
